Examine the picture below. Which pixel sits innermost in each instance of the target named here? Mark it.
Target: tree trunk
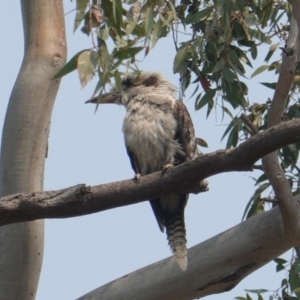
(24, 142)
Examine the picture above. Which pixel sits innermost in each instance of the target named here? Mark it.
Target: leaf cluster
(224, 36)
(132, 27)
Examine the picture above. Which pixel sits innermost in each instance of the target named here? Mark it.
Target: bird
(158, 133)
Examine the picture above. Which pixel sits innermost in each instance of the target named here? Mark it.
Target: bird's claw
(166, 168)
(137, 176)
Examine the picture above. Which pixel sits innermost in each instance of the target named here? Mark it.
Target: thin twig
(258, 167)
(270, 200)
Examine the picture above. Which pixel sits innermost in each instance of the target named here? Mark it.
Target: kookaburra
(158, 132)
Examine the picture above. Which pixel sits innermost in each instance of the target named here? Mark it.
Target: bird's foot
(166, 168)
(138, 176)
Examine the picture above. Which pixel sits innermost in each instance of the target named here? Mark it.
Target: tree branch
(272, 168)
(230, 251)
(82, 200)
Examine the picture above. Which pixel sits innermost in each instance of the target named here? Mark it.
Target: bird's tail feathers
(176, 235)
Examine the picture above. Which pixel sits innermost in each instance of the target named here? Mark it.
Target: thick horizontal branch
(83, 200)
(215, 266)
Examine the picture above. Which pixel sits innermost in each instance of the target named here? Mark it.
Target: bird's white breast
(149, 129)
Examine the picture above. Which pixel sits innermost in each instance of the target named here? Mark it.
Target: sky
(84, 253)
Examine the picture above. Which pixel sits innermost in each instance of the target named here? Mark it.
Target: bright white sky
(84, 253)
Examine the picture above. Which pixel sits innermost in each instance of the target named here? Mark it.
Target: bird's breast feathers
(149, 130)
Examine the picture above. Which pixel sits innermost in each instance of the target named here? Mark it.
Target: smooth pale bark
(214, 266)
(271, 163)
(24, 142)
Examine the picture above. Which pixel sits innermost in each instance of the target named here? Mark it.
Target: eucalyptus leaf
(126, 53)
(259, 70)
(272, 49)
(117, 13)
(149, 21)
(86, 64)
(269, 85)
(69, 67)
(254, 51)
(195, 17)
(156, 31)
(81, 6)
(219, 66)
(208, 96)
(180, 59)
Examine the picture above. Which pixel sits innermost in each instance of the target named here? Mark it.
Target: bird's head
(134, 86)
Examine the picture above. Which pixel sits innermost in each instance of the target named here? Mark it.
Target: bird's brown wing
(174, 219)
(133, 160)
(185, 136)
(158, 212)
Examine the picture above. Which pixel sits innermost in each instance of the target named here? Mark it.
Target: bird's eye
(127, 83)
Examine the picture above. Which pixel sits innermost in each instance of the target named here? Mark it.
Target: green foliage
(256, 204)
(133, 28)
(225, 36)
(290, 285)
(86, 64)
(69, 67)
(81, 6)
(288, 156)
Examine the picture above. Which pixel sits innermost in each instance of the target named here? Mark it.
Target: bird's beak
(110, 97)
